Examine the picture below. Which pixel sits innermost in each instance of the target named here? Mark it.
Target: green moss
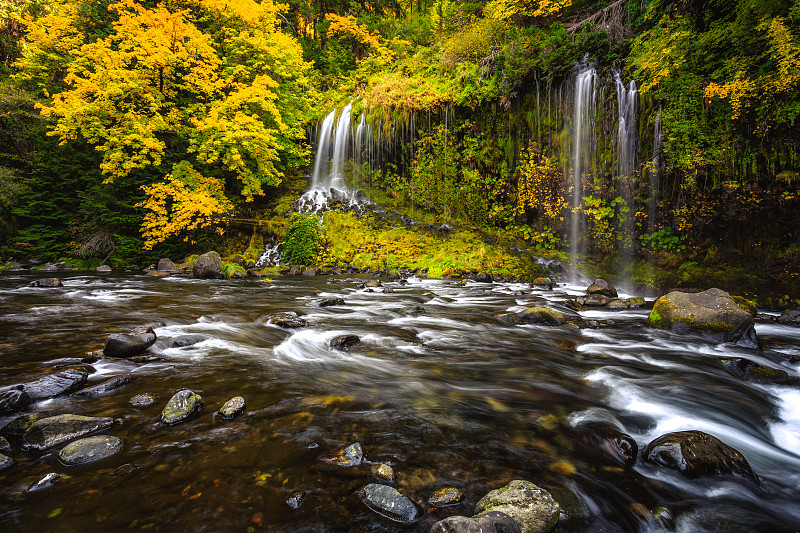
(747, 305)
(716, 327)
(229, 269)
(658, 316)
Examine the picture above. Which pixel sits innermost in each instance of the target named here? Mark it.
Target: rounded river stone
(89, 449)
(183, 405)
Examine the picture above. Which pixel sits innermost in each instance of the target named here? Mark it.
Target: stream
(448, 398)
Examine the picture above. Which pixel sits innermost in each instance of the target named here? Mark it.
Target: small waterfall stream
(627, 136)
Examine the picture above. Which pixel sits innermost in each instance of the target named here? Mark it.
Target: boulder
(309, 271)
(606, 444)
(483, 277)
(128, 345)
(790, 316)
(90, 449)
(208, 266)
(15, 429)
(492, 522)
(56, 430)
(533, 315)
(166, 265)
(53, 385)
(627, 303)
(532, 507)
(182, 406)
(49, 267)
(388, 502)
(344, 342)
(107, 386)
(747, 370)
(601, 286)
(329, 302)
(13, 400)
(288, 320)
(594, 300)
(348, 456)
(46, 282)
(697, 454)
(5, 461)
(103, 268)
(233, 407)
(712, 314)
(445, 497)
(413, 310)
(185, 340)
(546, 283)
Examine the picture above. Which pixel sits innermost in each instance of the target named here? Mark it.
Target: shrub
(302, 241)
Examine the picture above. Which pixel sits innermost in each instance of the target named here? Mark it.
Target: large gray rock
(601, 286)
(128, 345)
(166, 265)
(103, 268)
(388, 502)
(344, 342)
(17, 427)
(532, 507)
(54, 385)
(182, 406)
(208, 265)
(56, 430)
(46, 282)
(13, 400)
(712, 314)
(790, 316)
(534, 315)
(492, 522)
(90, 449)
(697, 454)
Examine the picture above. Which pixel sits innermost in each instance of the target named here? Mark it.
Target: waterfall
(584, 101)
(323, 151)
(627, 103)
(652, 206)
(358, 148)
(336, 176)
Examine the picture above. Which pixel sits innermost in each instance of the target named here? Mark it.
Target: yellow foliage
(185, 201)
(394, 90)
(539, 185)
(348, 25)
(787, 52)
(506, 9)
(738, 91)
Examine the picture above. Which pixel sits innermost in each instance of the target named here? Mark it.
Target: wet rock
(13, 400)
(348, 456)
(143, 400)
(45, 482)
(790, 316)
(294, 271)
(5, 446)
(5, 462)
(296, 499)
(383, 472)
(606, 444)
(483, 277)
(594, 300)
(108, 386)
(532, 507)
(491, 522)
(445, 497)
(46, 283)
(288, 320)
(373, 284)
(696, 454)
(49, 267)
(329, 302)
(208, 266)
(627, 303)
(344, 342)
(601, 286)
(15, 429)
(388, 290)
(747, 370)
(388, 502)
(233, 407)
(182, 406)
(413, 310)
(534, 315)
(53, 385)
(545, 283)
(157, 273)
(90, 449)
(309, 271)
(185, 340)
(125, 345)
(56, 430)
(166, 265)
(712, 314)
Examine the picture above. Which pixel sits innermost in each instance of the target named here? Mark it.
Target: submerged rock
(108, 386)
(56, 430)
(128, 345)
(15, 429)
(90, 449)
(296, 499)
(143, 400)
(208, 266)
(54, 385)
(712, 314)
(491, 522)
(388, 502)
(288, 320)
(5, 461)
(747, 370)
(532, 507)
(696, 454)
(533, 315)
(233, 407)
(351, 455)
(46, 283)
(13, 400)
(383, 472)
(183, 405)
(601, 286)
(413, 310)
(5, 446)
(546, 283)
(446, 496)
(329, 302)
(607, 444)
(343, 342)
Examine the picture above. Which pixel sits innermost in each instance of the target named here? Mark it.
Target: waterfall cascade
(655, 172)
(627, 137)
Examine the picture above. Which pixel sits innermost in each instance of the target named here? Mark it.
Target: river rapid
(448, 398)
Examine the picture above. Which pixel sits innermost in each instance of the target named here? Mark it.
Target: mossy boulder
(601, 286)
(545, 283)
(182, 406)
(493, 522)
(712, 314)
(697, 454)
(747, 370)
(747, 305)
(532, 507)
(533, 315)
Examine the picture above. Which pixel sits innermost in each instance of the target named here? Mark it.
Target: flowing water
(447, 398)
